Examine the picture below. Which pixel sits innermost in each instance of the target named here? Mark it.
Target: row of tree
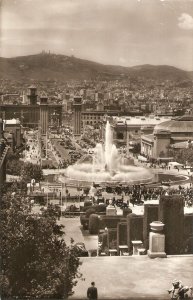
(27, 171)
(182, 156)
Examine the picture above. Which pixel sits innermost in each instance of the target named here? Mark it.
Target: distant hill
(61, 67)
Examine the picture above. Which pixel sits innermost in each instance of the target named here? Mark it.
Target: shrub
(100, 208)
(94, 224)
(87, 203)
(97, 208)
(84, 221)
(126, 211)
(90, 211)
(110, 221)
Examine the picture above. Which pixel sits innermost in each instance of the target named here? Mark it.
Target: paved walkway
(132, 277)
(73, 230)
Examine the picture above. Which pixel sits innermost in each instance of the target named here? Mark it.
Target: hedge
(93, 224)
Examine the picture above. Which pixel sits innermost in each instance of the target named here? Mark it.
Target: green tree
(14, 165)
(36, 262)
(136, 148)
(31, 171)
(182, 156)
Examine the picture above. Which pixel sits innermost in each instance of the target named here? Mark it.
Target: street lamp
(61, 201)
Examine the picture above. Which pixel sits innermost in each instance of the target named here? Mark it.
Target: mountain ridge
(46, 66)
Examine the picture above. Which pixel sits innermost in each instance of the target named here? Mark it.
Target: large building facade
(13, 133)
(166, 134)
(128, 129)
(33, 112)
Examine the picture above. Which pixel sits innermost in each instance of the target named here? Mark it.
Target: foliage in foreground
(36, 262)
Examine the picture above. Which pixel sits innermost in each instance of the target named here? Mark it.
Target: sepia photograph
(96, 149)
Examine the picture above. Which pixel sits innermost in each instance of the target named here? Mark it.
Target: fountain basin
(125, 174)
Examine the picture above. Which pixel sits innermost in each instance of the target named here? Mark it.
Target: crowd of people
(138, 194)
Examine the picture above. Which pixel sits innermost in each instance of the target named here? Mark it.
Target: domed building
(165, 134)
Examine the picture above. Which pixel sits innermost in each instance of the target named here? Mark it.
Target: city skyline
(120, 32)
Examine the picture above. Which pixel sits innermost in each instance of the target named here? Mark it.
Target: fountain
(107, 166)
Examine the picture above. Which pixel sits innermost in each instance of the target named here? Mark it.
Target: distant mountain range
(46, 66)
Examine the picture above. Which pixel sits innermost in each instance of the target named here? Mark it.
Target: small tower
(32, 95)
(77, 112)
(1, 128)
(44, 113)
(161, 142)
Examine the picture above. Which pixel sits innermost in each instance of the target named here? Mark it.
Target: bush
(93, 224)
(95, 208)
(111, 221)
(100, 208)
(84, 221)
(126, 211)
(87, 203)
(90, 211)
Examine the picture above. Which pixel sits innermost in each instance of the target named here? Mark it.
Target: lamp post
(61, 201)
(47, 192)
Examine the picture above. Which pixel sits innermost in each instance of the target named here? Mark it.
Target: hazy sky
(121, 32)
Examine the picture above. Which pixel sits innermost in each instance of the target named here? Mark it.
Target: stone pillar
(112, 238)
(134, 229)
(111, 211)
(136, 246)
(156, 240)
(77, 115)
(122, 233)
(171, 213)
(188, 226)
(188, 233)
(150, 215)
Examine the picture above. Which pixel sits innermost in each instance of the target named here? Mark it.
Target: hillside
(60, 67)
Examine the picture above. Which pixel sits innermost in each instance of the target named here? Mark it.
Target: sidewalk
(134, 277)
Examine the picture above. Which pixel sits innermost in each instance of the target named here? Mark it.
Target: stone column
(171, 213)
(156, 240)
(150, 215)
(122, 233)
(111, 210)
(134, 229)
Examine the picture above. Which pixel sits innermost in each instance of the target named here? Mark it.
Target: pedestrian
(92, 293)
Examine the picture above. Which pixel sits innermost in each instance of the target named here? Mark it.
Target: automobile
(81, 249)
(187, 167)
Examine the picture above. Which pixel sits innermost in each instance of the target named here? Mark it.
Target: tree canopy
(35, 260)
(182, 156)
(31, 171)
(14, 165)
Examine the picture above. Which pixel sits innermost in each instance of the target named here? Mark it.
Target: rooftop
(12, 122)
(141, 120)
(183, 124)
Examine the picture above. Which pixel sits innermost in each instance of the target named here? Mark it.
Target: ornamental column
(156, 240)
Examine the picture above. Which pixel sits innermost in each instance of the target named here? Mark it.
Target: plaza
(133, 277)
